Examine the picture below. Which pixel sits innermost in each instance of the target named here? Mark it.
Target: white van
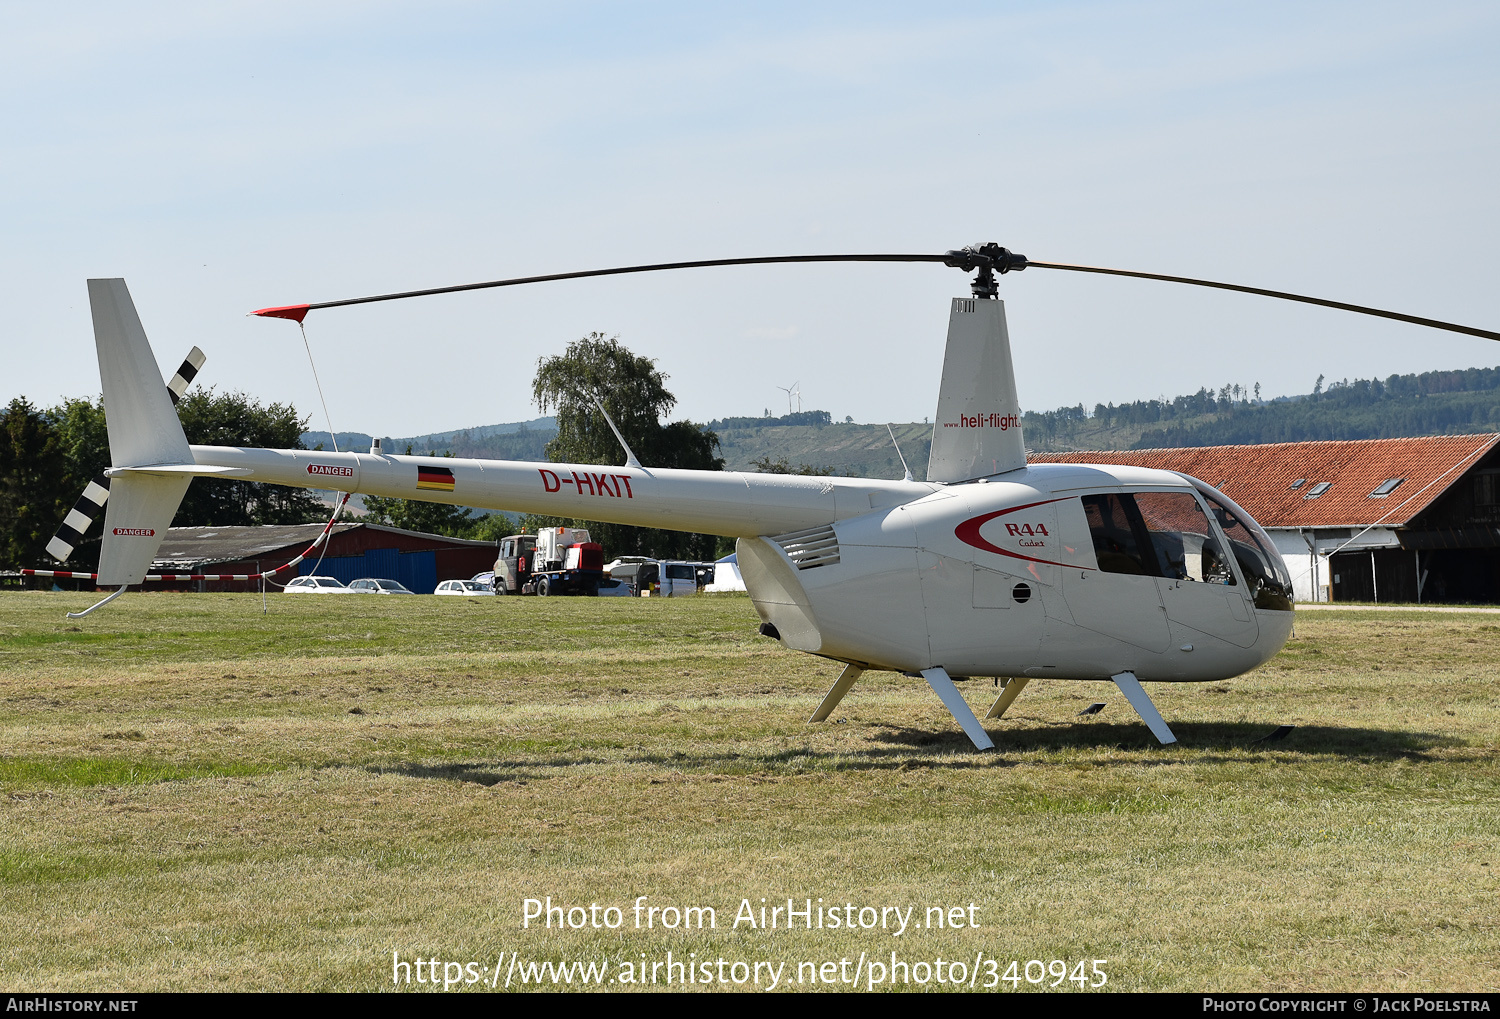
(654, 578)
(677, 579)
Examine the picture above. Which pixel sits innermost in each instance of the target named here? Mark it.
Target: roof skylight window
(1299, 483)
(1387, 486)
(1318, 489)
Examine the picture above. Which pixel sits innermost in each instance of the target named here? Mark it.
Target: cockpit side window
(1121, 544)
(1182, 538)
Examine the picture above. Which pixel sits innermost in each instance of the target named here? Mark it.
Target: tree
(84, 437)
(48, 457)
(35, 489)
(634, 393)
(234, 419)
(428, 517)
(765, 465)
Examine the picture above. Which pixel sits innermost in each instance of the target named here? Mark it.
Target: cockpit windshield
(1262, 565)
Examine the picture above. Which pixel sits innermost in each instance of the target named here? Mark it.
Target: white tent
(726, 576)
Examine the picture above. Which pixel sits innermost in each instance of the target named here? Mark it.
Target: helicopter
(990, 567)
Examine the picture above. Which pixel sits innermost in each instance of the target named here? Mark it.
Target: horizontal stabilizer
(182, 471)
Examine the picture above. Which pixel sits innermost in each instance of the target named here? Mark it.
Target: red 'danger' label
(135, 532)
(338, 472)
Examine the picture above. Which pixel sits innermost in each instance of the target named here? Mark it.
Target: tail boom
(709, 502)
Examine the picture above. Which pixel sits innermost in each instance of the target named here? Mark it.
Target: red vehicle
(558, 560)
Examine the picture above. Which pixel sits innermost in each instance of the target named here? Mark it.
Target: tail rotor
(71, 532)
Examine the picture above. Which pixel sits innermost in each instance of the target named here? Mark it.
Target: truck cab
(514, 565)
(557, 560)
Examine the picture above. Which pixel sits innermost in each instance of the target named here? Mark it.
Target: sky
(231, 156)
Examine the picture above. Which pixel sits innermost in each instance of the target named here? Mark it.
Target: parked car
(376, 585)
(609, 587)
(463, 587)
(315, 585)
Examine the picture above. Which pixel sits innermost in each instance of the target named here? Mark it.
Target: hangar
(1362, 520)
(420, 561)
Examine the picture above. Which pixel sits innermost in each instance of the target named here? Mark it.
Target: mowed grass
(194, 795)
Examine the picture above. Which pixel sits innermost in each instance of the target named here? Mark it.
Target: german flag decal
(438, 478)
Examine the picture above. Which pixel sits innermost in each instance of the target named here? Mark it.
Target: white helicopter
(989, 568)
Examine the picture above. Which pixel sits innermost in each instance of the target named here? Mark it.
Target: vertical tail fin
(143, 427)
(978, 427)
(143, 431)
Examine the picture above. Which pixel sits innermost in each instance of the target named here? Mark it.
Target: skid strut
(943, 686)
(1136, 695)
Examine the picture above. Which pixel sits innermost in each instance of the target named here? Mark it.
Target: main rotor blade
(296, 312)
(986, 258)
(1340, 305)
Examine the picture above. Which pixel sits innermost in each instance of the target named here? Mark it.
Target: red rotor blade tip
(295, 312)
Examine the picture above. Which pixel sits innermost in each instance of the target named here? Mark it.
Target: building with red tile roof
(1361, 519)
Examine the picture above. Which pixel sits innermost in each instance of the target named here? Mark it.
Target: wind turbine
(794, 390)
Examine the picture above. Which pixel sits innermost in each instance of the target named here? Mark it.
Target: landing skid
(942, 685)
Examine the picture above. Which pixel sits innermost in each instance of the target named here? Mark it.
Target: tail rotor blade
(185, 374)
(76, 524)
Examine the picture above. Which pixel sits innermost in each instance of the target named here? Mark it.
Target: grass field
(196, 796)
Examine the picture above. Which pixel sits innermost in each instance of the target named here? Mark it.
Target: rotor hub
(984, 260)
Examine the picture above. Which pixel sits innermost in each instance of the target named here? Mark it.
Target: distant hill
(1434, 403)
(516, 440)
(812, 438)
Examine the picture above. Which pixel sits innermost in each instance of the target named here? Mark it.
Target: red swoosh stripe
(968, 533)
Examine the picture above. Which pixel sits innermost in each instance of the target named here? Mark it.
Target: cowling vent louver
(816, 546)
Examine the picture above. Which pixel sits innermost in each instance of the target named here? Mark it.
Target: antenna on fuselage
(630, 459)
(898, 451)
